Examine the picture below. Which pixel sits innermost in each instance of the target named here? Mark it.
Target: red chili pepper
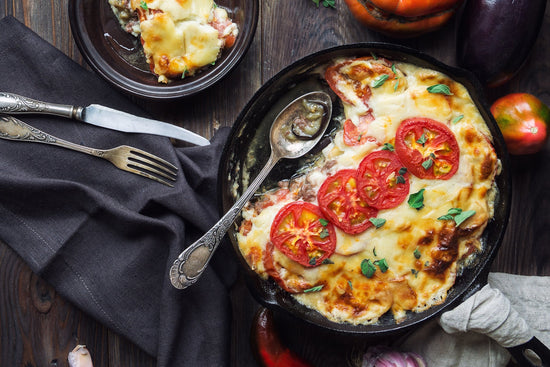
(267, 345)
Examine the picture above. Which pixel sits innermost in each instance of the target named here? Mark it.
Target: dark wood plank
(39, 328)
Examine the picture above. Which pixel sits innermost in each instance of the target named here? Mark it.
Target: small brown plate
(118, 57)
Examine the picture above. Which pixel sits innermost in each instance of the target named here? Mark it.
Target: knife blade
(99, 115)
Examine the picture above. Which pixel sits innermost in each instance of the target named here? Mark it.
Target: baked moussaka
(179, 37)
(393, 208)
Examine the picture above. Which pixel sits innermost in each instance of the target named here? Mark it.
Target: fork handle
(15, 129)
(15, 104)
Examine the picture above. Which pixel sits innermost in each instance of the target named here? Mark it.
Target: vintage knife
(100, 116)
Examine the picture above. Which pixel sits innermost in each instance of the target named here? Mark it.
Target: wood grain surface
(39, 328)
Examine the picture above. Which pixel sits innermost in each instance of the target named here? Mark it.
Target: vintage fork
(124, 157)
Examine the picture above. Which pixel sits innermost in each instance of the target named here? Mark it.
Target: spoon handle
(190, 264)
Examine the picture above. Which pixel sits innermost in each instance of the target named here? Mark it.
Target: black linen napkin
(105, 238)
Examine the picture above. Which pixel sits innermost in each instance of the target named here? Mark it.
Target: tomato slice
(340, 202)
(357, 135)
(355, 75)
(337, 80)
(427, 148)
(301, 232)
(383, 181)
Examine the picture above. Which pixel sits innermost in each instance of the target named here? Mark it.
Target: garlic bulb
(80, 357)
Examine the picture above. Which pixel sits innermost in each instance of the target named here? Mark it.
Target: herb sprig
(458, 215)
(326, 3)
(416, 200)
(440, 89)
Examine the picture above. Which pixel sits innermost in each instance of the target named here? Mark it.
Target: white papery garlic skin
(80, 357)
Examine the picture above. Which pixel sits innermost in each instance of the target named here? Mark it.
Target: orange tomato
(403, 18)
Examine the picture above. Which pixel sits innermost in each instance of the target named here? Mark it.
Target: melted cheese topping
(421, 251)
(179, 37)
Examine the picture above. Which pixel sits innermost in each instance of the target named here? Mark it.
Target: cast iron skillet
(248, 148)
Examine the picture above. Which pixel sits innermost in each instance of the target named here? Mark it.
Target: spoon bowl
(294, 132)
(283, 137)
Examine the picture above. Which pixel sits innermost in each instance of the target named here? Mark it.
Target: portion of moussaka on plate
(393, 208)
(179, 37)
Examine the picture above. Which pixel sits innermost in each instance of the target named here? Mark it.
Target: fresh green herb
(460, 218)
(367, 268)
(378, 82)
(314, 289)
(416, 200)
(402, 171)
(327, 262)
(417, 254)
(450, 214)
(350, 285)
(324, 233)
(359, 137)
(374, 251)
(374, 55)
(388, 146)
(213, 63)
(383, 265)
(377, 222)
(396, 84)
(143, 5)
(427, 163)
(326, 3)
(400, 179)
(457, 119)
(184, 72)
(422, 140)
(458, 215)
(415, 272)
(313, 260)
(323, 222)
(441, 89)
(427, 263)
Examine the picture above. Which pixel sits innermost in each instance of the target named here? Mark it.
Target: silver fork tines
(124, 157)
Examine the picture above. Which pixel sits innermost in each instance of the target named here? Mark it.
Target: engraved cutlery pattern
(123, 157)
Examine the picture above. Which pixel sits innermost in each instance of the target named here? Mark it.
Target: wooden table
(39, 328)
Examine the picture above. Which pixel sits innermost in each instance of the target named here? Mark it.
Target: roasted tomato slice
(357, 135)
(340, 202)
(338, 80)
(302, 233)
(355, 76)
(427, 148)
(383, 181)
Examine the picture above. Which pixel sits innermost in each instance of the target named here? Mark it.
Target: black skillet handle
(526, 354)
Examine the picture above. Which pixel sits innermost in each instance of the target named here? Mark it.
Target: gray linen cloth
(507, 312)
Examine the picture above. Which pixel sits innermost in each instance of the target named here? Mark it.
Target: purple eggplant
(496, 36)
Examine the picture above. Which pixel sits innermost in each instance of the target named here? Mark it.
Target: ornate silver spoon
(294, 132)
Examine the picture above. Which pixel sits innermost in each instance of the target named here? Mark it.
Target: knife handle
(13, 104)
